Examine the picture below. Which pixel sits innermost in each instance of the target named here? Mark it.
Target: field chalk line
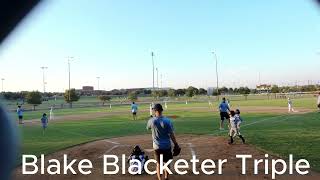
(191, 147)
(112, 142)
(256, 122)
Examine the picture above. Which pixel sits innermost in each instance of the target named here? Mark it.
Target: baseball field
(93, 131)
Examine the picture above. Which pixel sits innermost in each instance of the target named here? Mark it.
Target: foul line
(112, 142)
(256, 122)
(191, 146)
(116, 145)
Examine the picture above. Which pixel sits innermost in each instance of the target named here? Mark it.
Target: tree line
(36, 98)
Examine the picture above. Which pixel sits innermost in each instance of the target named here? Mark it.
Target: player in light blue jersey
(134, 110)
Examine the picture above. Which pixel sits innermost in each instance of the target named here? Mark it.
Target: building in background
(264, 88)
(87, 88)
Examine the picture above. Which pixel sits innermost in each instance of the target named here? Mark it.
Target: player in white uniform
(234, 123)
(151, 110)
(51, 115)
(290, 106)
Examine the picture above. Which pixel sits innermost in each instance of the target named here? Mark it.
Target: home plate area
(201, 146)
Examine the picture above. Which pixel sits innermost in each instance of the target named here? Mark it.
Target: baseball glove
(176, 150)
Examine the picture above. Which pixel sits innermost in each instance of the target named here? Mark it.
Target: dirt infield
(204, 147)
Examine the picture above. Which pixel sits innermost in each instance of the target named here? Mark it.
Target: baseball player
(318, 101)
(134, 110)
(234, 123)
(20, 114)
(224, 109)
(44, 122)
(151, 110)
(290, 107)
(162, 135)
(51, 115)
(139, 155)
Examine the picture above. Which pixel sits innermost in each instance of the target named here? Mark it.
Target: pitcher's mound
(204, 147)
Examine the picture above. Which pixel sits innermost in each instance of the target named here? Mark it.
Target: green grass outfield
(274, 133)
(302, 103)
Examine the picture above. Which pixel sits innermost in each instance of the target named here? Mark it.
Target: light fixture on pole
(43, 78)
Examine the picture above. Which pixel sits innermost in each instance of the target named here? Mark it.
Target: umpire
(224, 112)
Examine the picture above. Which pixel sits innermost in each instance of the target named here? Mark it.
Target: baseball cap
(157, 107)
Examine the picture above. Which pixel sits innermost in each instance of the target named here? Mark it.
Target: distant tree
(275, 89)
(172, 93)
(192, 91)
(133, 96)
(73, 96)
(155, 94)
(223, 90)
(230, 91)
(310, 88)
(8, 95)
(253, 91)
(245, 91)
(163, 93)
(15, 95)
(34, 98)
(104, 98)
(216, 93)
(236, 90)
(180, 92)
(202, 91)
(147, 91)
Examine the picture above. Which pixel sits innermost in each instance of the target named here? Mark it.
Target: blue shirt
(224, 107)
(134, 107)
(44, 120)
(161, 128)
(20, 111)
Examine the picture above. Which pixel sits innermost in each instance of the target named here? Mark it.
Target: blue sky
(113, 39)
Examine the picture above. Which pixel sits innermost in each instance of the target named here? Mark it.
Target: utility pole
(43, 78)
(157, 78)
(215, 55)
(69, 59)
(2, 79)
(98, 78)
(161, 81)
(259, 79)
(152, 55)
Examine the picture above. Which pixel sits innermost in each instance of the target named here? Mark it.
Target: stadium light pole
(69, 59)
(43, 78)
(216, 58)
(2, 79)
(157, 78)
(152, 55)
(98, 78)
(161, 81)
